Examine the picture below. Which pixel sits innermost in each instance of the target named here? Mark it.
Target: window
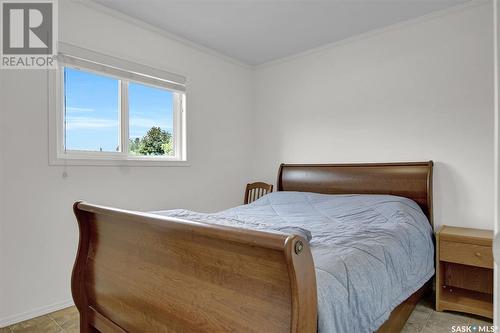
(151, 120)
(91, 112)
(107, 113)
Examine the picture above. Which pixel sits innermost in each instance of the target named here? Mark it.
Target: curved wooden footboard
(138, 272)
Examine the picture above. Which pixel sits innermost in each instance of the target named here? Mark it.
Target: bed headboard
(412, 180)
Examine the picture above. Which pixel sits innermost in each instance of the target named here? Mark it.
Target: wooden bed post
(78, 276)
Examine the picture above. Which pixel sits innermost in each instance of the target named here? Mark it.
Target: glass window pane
(91, 111)
(150, 120)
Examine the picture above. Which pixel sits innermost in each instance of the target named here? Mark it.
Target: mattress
(370, 252)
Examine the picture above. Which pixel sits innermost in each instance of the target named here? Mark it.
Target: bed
(237, 270)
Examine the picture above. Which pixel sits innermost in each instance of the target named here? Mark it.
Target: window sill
(131, 162)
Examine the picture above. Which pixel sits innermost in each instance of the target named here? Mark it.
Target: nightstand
(464, 270)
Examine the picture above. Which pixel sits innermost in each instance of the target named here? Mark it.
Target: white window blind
(119, 68)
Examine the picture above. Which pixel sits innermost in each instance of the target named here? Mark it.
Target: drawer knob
(478, 254)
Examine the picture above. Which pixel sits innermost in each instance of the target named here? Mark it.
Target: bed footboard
(138, 272)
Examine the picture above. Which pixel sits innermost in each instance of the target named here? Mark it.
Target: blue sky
(92, 110)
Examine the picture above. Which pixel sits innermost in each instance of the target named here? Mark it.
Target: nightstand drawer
(467, 254)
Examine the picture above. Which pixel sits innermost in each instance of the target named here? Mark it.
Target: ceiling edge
(372, 33)
(144, 25)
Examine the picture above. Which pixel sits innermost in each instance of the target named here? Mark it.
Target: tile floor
(62, 321)
(423, 320)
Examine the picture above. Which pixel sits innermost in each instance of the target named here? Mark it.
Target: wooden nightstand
(464, 270)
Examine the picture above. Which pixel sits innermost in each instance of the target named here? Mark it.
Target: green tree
(167, 147)
(134, 145)
(156, 142)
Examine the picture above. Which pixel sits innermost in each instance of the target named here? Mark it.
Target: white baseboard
(35, 313)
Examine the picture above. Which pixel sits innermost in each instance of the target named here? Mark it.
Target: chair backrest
(256, 190)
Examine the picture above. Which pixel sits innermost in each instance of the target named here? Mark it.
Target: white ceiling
(258, 31)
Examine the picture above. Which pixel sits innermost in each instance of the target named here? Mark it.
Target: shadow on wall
(447, 185)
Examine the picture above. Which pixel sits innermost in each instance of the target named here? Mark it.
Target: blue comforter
(370, 252)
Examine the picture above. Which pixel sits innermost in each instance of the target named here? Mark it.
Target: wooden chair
(256, 190)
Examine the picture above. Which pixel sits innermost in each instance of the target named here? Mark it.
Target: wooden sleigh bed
(139, 272)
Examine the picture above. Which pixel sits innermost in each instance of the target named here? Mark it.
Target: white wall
(496, 243)
(3, 248)
(38, 231)
(416, 91)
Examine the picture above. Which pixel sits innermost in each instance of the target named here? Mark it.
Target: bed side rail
(138, 272)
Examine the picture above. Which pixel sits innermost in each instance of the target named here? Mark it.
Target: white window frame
(134, 73)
